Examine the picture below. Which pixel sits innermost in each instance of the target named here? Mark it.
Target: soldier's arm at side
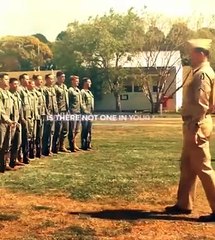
(3, 116)
(203, 92)
(83, 102)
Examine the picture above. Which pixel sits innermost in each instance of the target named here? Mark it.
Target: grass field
(117, 191)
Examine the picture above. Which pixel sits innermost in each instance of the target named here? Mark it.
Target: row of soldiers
(26, 128)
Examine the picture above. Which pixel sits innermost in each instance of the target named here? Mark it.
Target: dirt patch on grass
(31, 217)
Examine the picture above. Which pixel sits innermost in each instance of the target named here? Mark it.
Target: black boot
(38, 152)
(2, 165)
(176, 210)
(12, 163)
(31, 149)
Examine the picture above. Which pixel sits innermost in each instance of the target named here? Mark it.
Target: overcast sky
(49, 17)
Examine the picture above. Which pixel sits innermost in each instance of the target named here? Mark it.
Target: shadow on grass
(129, 215)
(9, 217)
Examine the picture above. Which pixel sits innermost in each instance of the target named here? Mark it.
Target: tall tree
(27, 53)
(41, 37)
(102, 43)
(162, 50)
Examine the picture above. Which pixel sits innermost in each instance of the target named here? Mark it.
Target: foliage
(101, 43)
(41, 37)
(22, 53)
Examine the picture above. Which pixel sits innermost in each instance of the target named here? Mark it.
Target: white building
(133, 98)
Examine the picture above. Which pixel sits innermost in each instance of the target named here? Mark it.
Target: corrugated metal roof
(150, 59)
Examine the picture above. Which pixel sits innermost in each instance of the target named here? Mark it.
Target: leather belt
(190, 118)
(186, 118)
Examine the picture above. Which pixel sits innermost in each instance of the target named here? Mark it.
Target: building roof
(150, 59)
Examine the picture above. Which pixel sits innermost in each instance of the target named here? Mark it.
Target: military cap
(203, 43)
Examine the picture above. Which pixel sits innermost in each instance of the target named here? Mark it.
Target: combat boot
(63, 148)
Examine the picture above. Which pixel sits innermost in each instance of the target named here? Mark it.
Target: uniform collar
(203, 64)
(76, 88)
(60, 85)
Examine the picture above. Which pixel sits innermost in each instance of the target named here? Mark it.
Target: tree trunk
(118, 102)
(155, 107)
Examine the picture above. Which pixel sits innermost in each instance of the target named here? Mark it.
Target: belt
(186, 118)
(190, 118)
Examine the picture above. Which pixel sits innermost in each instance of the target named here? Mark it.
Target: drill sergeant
(52, 110)
(61, 126)
(75, 106)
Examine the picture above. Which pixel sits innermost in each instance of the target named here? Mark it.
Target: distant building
(133, 98)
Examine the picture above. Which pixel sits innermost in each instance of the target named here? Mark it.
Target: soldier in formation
(28, 107)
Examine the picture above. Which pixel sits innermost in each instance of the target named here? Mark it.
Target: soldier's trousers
(4, 144)
(27, 133)
(86, 134)
(74, 128)
(39, 134)
(60, 133)
(47, 138)
(15, 144)
(25, 139)
(32, 137)
(196, 162)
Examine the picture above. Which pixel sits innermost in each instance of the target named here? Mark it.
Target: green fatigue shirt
(17, 113)
(42, 111)
(51, 101)
(75, 100)
(87, 101)
(5, 105)
(34, 104)
(26, 103)
(62, 97)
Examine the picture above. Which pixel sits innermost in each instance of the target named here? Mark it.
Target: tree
(177, 37)
(161, 49)
(27, 53)
(41, 37)
(101, 43)
(155, 39)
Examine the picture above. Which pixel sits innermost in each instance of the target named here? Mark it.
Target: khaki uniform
(61, 127)
(42, 111)
(5, 129)
(49, 125)
(17, 116)
(75, 107)
(32, 122)
(198, 102)
(87, 109)
(27, 126)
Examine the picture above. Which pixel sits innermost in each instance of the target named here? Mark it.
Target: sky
(50, 17)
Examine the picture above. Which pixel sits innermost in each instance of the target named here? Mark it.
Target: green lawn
(126, 159)
(132, 162)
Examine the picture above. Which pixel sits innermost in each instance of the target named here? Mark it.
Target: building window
(128, 88)
(124, 97)
(155, 88)
(137, 89)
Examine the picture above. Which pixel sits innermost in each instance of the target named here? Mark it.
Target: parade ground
(116, 191)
